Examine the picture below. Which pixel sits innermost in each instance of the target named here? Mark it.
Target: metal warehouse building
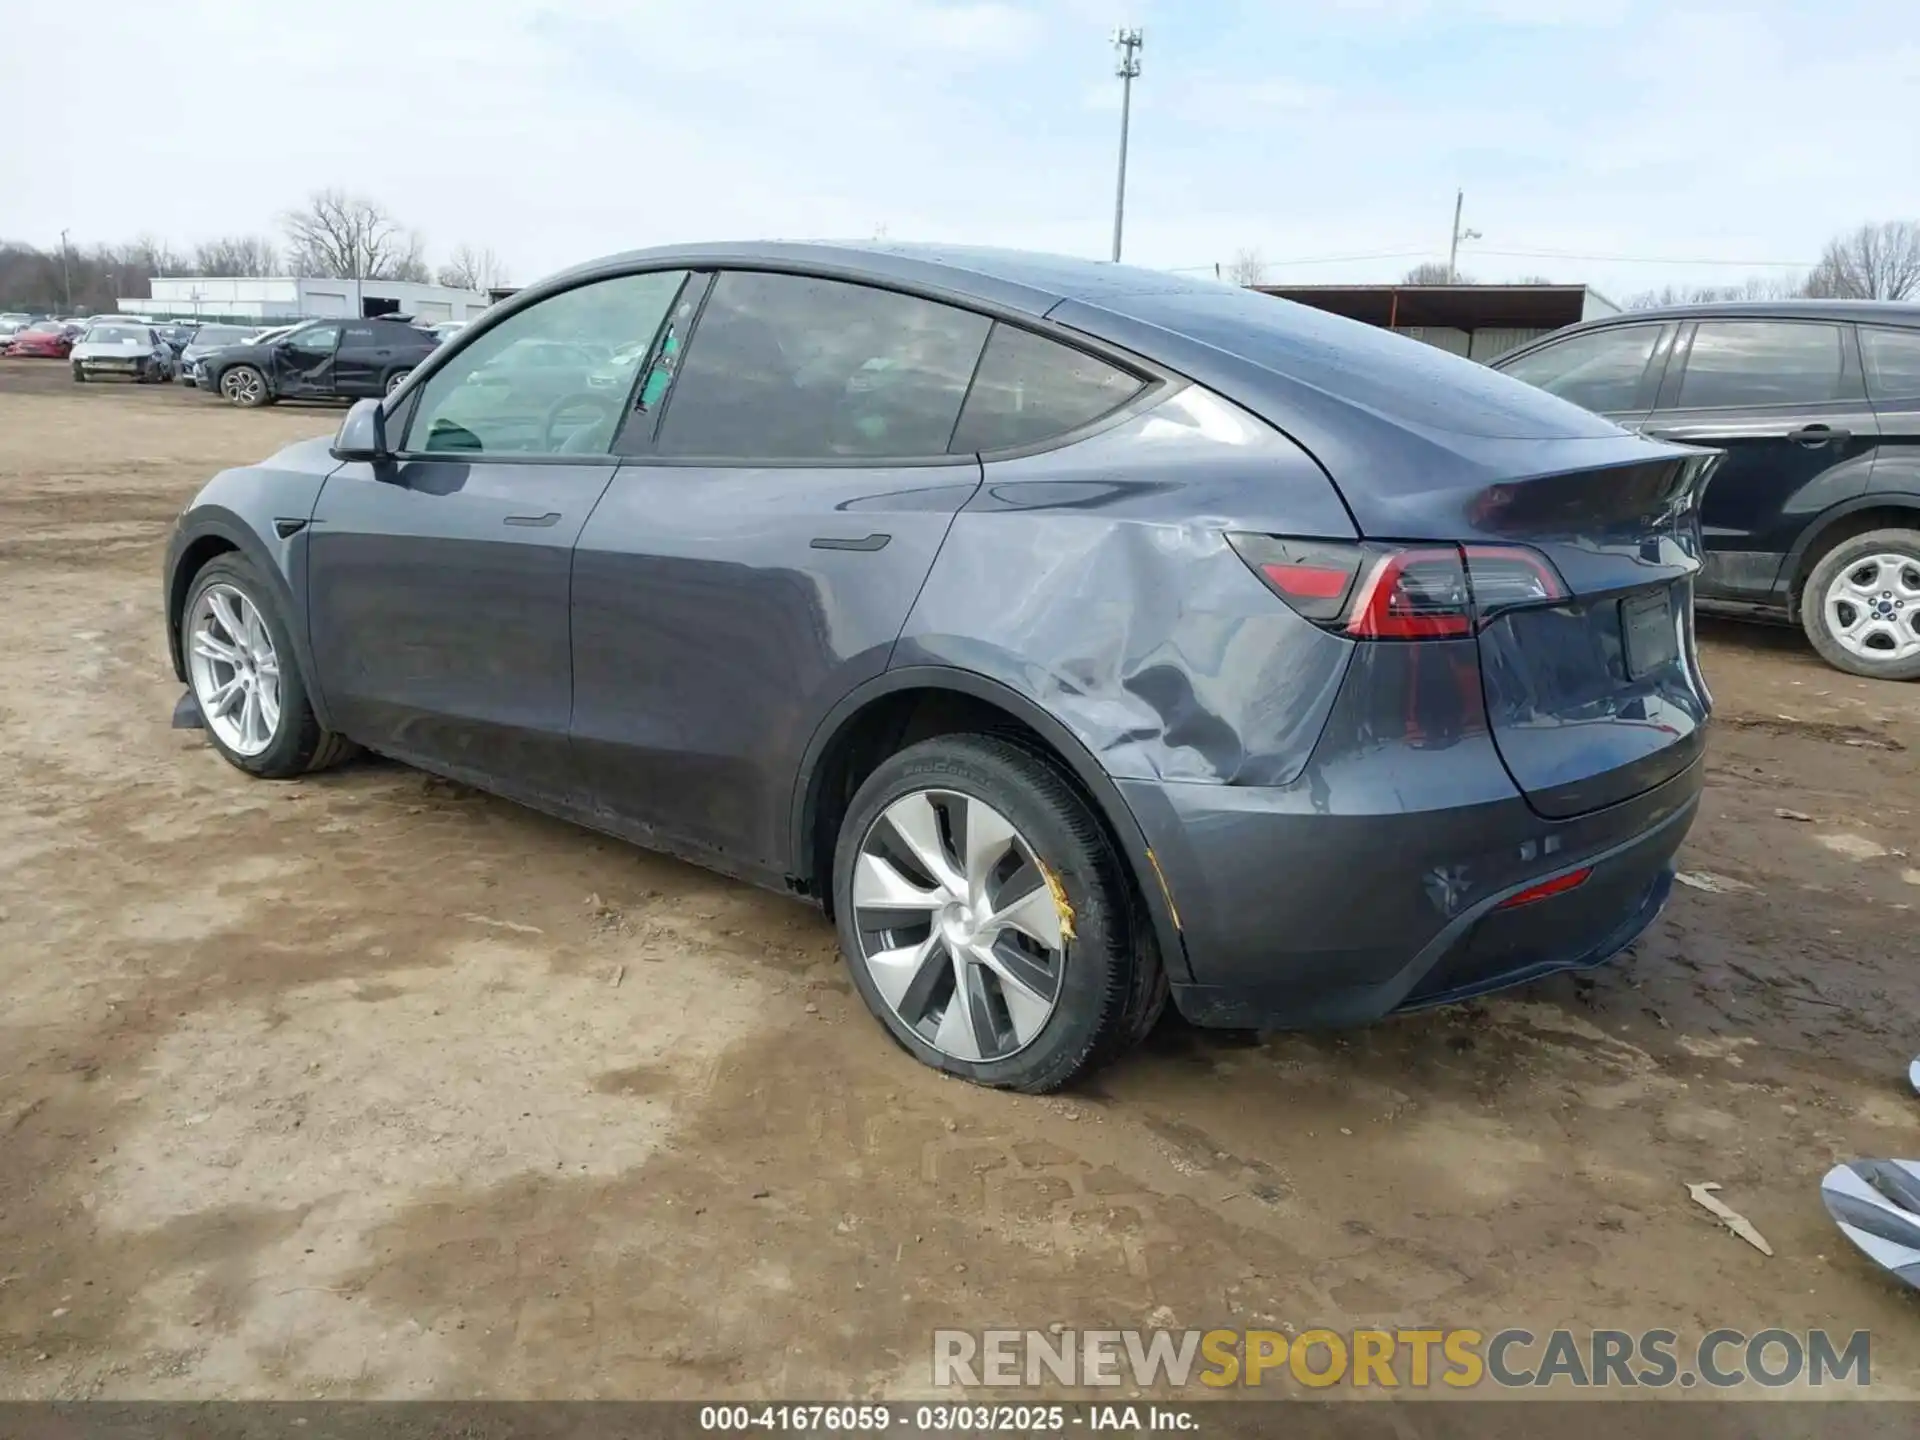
(1477, 321)
(256, 299)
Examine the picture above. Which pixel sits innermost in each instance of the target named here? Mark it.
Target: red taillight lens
(1413, 595)
(1399, 592)
(1547, 889)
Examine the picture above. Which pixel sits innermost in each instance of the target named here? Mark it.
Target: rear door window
(1893, 362)
(1028, 390)
(1737, 363)
(794, 368)
(1603, 370)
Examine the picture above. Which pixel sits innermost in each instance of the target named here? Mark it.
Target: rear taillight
(1372, 591)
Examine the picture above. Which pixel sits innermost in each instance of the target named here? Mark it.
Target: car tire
(1867, 624)
(396, 380)
(245, 386)
(79, 375)
(1105, 977)
(294, 742)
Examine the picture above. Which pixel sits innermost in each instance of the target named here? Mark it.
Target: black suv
(1814, 515)
(321, 360)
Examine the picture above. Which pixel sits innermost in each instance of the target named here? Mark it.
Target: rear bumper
(1297, 914)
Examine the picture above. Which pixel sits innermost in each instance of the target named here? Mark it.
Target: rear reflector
(1374, 591)
(1547, 889)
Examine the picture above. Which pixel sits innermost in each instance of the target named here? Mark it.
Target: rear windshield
(1400, 379)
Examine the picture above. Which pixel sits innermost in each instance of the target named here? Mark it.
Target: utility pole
(1453, 250)
(66, 276)
(1126, 44)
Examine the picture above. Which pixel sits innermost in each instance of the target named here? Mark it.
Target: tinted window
(1028, 389)
(360, 337)
(1893, 363)
(1761, 362)
(787, 367)
(550, 380)
(1601, 370)
(316, 340)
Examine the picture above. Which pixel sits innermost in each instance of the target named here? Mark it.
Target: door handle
(840, 542)
(1813, 436)
(539, 522)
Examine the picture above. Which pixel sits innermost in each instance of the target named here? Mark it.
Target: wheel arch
(915, 702)
(220, 532)
(1838, 524)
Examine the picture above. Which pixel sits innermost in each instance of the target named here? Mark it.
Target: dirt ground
(375, 1086)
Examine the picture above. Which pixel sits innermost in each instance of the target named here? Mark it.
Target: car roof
(1879, 312)
(1360, 399)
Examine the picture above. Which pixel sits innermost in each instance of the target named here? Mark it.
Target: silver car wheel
(959, 925)
(241, 386)
(397, 379)
(235, 669)
(1872, 608)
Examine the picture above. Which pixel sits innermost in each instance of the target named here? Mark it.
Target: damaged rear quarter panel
(1096, 580)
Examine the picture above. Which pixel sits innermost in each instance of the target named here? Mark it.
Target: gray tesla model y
(1075, 635)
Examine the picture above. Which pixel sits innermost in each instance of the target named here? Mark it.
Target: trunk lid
(1597, 698)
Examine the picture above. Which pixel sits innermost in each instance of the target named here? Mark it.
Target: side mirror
(363, 434)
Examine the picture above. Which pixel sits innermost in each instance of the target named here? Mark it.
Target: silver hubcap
(1873, 607)
(959, 926)
(397, 381)
(235, 672)
(242, 385)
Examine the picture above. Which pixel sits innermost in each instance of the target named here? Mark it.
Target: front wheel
(244, 386)
(79, 375)
(1861, 605)
(987, 920)
(246, 677)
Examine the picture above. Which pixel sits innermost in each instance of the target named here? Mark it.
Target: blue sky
(554, 130)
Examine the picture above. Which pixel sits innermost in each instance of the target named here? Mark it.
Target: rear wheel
(246, 677)
(1861, 605)
(244, 386)
(986, 918)
(397, 379)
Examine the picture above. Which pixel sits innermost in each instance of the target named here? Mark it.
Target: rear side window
(1602, 370)
(1763, 362)
(795, 368)
(1893, 362)
(1029, 389)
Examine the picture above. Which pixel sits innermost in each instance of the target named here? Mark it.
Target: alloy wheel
(1872, 608)
(240, 386)
(397, 379)
(234, 669)
(959, 925)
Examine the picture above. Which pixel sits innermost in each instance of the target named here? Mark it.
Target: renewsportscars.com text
(1401, 1359)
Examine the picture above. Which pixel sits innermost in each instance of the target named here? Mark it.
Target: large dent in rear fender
(1097, 582)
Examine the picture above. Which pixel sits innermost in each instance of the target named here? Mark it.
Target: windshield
(116, 335)
(47, 327)
(219, 335)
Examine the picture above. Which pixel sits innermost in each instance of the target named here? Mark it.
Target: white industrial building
(250, 299)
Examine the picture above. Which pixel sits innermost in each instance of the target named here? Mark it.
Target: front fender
(246, 510)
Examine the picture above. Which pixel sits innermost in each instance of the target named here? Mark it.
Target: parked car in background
(321, 359)
(1813, 518)
(11, 324)
(208, 338)
(43, 340)
(447, 329)
(122, 351)
(176, 336)
(1069, 631)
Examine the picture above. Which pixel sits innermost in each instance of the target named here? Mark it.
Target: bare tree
(1875, 262)
(236, 255)
(342, 236)
(1433, 272)
(471, 269)
(151, 255)
(1754, 287)
(1248, 267)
